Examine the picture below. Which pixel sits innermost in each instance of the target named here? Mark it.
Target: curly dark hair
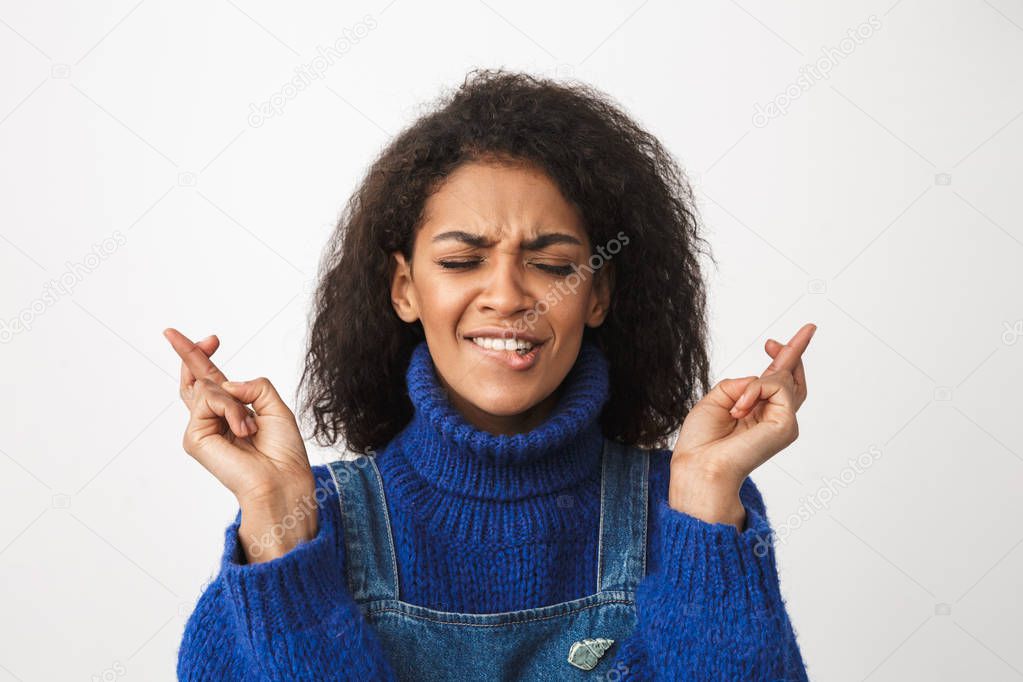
(618, 175)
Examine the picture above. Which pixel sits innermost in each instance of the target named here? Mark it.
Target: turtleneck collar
(451, 454)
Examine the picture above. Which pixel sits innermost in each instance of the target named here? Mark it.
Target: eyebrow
(535, 244)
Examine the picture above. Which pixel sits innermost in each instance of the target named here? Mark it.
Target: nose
(504, 292)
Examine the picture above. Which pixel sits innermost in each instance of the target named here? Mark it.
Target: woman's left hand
(736, 427)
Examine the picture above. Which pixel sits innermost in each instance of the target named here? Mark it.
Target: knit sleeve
(291, 618)
(711, 607)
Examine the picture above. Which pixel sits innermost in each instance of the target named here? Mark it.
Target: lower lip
(510, 358)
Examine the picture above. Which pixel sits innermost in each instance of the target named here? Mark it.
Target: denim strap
(621, 556)
(369, 548)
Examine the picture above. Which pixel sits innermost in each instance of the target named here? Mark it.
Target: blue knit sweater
(486, 523)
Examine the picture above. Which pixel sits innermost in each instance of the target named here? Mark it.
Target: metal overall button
(585, 653)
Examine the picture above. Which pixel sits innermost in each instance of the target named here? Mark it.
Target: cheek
(442, 303)
(571, 311)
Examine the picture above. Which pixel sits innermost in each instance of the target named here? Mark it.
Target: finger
(204, 440)
(748, 398)
(763, 389)
(798, 374)
(209, 345)
(789, 354)
(775, 424)
(727, 391)
(764, 394)
(261, 394)
(213, 402)
(193, 356)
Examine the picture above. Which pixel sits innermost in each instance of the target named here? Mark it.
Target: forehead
(500, 200)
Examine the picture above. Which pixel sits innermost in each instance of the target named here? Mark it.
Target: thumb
(261, 394)
(727, 391)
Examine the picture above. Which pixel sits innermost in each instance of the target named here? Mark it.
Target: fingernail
(251, 423)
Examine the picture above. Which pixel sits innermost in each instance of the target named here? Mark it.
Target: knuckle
(719, 387)
(210, 372)
(203, 386)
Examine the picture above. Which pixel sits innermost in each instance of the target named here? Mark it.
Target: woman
(510, 324)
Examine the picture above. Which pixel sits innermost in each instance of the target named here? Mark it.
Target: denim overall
(529, 644)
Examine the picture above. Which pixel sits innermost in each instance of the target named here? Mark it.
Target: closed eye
(458, 264)
(559, 270)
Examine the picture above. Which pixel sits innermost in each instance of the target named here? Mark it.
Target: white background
(884, 206)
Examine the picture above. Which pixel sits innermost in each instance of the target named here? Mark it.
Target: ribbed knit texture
(490, 523)
(486, 523)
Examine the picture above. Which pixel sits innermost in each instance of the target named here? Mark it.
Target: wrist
(708, 494)
(272, 526)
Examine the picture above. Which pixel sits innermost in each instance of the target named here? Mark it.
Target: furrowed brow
(535, 244)
(548, 239)
(476, 240)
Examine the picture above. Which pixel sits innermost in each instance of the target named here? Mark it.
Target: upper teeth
(502, 344)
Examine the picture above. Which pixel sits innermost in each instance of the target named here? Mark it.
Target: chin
(504, 402)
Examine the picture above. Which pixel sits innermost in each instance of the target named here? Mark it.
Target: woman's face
(493, 262)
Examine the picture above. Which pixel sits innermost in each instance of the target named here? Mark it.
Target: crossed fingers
(785, 369)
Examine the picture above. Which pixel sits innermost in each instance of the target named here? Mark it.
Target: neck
(448, 451)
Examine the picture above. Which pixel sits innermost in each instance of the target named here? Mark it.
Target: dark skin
(496, 217)
(257, 453)
(496, 241)
(740, 424)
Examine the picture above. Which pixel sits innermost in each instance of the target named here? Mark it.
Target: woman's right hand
(258, 454)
